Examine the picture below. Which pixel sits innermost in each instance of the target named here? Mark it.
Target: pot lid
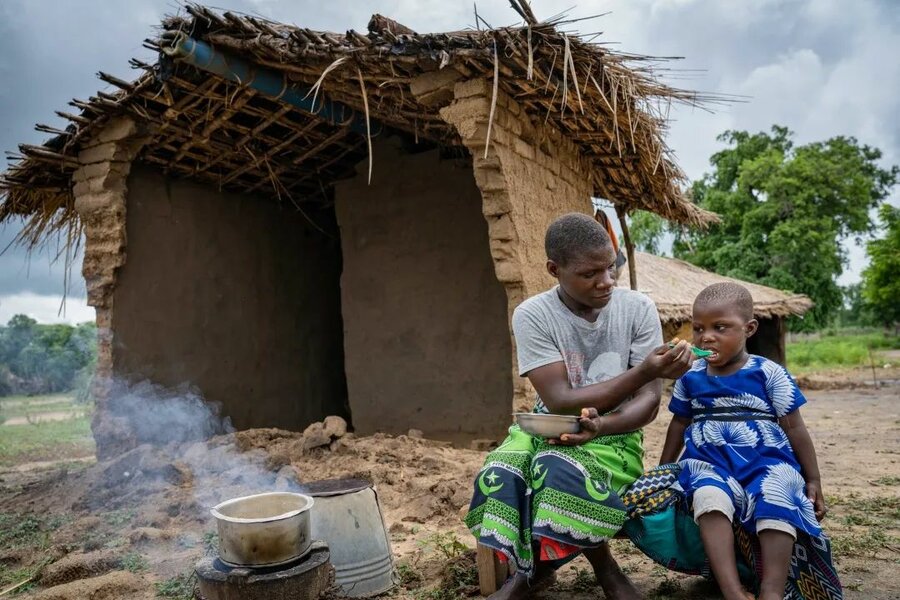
(334, 487)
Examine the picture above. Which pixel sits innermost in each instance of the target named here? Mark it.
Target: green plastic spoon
(699, 352)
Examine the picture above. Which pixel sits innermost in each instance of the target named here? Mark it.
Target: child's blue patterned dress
(736, 444)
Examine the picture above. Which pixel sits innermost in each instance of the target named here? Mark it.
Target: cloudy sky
(820, 67)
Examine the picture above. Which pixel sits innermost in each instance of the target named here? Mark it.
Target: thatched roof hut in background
(328, 223)
(673, 284)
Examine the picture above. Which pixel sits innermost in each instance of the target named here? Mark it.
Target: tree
(785, 211)
(647, 230)
(881, 279)
(39, 359)
(855, 312)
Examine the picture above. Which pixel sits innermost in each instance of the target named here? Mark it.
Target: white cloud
(45, 308)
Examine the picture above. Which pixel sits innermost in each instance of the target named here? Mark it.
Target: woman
(587, 347)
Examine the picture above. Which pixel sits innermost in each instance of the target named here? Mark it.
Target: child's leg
(713, 512)
(776, 540)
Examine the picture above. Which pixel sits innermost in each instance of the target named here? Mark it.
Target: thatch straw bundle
(673, 284)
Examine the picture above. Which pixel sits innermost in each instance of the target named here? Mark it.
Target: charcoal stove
(303, 579)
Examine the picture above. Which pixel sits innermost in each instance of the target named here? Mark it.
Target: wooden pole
(629, 247)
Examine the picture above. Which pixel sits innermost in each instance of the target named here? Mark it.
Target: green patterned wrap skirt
(537, 501)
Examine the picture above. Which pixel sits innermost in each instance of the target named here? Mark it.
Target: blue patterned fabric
(661, 525)
(736, 444)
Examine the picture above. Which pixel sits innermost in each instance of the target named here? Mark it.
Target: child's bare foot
(519, 587)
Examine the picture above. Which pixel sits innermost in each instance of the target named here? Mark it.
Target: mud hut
(673, 284)
(302, 223)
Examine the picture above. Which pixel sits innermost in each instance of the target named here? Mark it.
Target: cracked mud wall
(234, 295)
(426, 339)
(531, 175)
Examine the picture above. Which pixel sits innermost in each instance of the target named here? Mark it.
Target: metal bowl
(546, 425)
(263, 530)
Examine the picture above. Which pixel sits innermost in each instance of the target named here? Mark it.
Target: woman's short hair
(573, 235)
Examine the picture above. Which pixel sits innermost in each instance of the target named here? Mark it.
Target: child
(748, 456)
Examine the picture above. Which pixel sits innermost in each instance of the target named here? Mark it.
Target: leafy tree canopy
(785, 211)
(881, 278)
(40, 359)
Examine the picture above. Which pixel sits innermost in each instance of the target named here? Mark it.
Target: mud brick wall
(531, 175)
(232, 294)
(228, 294)
(425, 334)
(100, 189)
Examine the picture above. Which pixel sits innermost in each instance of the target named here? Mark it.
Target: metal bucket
(263, 530)
(347, 516)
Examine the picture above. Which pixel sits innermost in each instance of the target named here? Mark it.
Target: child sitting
(748, 460)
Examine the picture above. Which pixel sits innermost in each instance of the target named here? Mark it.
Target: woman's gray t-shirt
(546, 331)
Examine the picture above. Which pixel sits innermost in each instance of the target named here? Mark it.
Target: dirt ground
(132, 527)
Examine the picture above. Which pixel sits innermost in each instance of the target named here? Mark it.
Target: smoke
(159, 415)
(183, 441)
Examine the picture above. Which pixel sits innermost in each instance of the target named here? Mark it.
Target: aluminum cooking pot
(263, 530)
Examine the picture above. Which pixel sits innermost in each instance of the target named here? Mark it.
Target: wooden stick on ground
(13, 588)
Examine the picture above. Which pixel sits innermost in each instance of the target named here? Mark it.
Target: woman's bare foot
(616, 584)
(515, 587)
(519, 587)
(739, 593)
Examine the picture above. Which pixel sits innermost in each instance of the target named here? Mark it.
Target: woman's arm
(797, 433)
(552, 382)
(632, 415)
(674, 439)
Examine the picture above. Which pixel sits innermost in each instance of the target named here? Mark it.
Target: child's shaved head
(730, 294)
(573, 235)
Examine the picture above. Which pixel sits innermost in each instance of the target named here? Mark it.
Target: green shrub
(839, 350)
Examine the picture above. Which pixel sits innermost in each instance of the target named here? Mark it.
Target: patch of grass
(10, 576)
(666, 588)
(869, 522)
(95, 540)
(887, 507)
(17, 531)
(584, 581)
(446, 543)
(408, 576)
(135, 562)
(21, 406)
(837, 349)
(211, 543)
(180, 587)
(459, 580)
(866, 543)
(859, 520)
(890, 480)
(28, 531)
(120, 517)
(45, 441)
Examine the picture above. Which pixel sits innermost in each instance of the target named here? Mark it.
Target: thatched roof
(227, 134)
(673, 284)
